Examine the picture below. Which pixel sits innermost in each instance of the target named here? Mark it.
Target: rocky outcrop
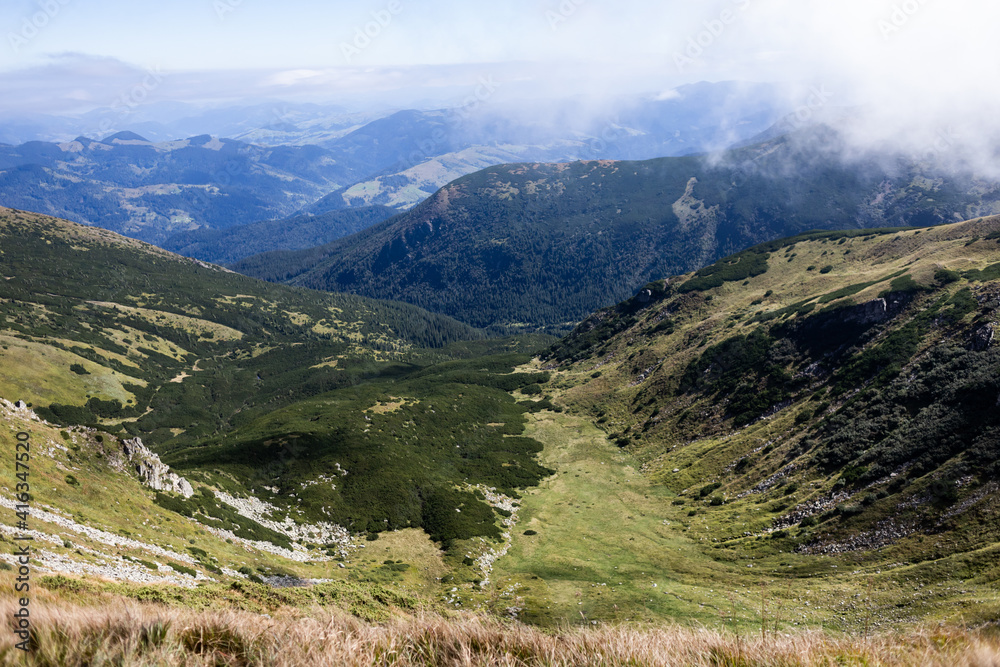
(151, 471)
(872, 312)
(982, 338)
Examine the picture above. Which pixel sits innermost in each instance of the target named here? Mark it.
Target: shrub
(184, 569)
(530, 532)
(79, 369)
(716, 501)
(946, 276)
(849, 510)
(449, 514)
(746, 264)
(708, 489)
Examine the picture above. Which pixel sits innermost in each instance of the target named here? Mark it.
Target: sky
(908, 61)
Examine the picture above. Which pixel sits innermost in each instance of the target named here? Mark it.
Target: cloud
(917, 68)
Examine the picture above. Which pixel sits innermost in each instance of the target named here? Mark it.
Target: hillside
(285, 159)
(814, 413)
(543, 245)
(300, 422)
(434, 148)
(118, 332)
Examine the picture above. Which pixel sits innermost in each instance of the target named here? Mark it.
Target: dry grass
(132, 634)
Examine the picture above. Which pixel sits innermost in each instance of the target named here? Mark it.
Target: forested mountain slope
(98, 328)
(543, 245)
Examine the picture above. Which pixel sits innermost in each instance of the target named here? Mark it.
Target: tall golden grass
(129, 633)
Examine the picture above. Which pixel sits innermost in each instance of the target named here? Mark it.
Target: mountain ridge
(543, 245)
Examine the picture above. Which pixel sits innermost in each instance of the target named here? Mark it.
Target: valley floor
(605, 545)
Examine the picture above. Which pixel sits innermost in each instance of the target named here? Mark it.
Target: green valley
(797, 436)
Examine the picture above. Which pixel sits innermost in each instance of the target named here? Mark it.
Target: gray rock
(876, 310)
(151, 471)
(982, 338)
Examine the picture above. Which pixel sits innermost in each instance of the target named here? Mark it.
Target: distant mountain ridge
(150, 190)
(312, 160)
(542, 245)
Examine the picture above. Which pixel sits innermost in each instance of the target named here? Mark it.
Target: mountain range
(279, 160)
(524, 246)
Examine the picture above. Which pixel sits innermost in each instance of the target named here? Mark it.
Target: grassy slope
(619, 512)
(606, 534)
(136, 635)
(71, 475)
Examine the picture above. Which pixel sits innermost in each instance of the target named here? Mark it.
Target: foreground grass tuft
(128, 633)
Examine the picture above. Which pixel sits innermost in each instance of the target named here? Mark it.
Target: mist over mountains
(287, 158)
